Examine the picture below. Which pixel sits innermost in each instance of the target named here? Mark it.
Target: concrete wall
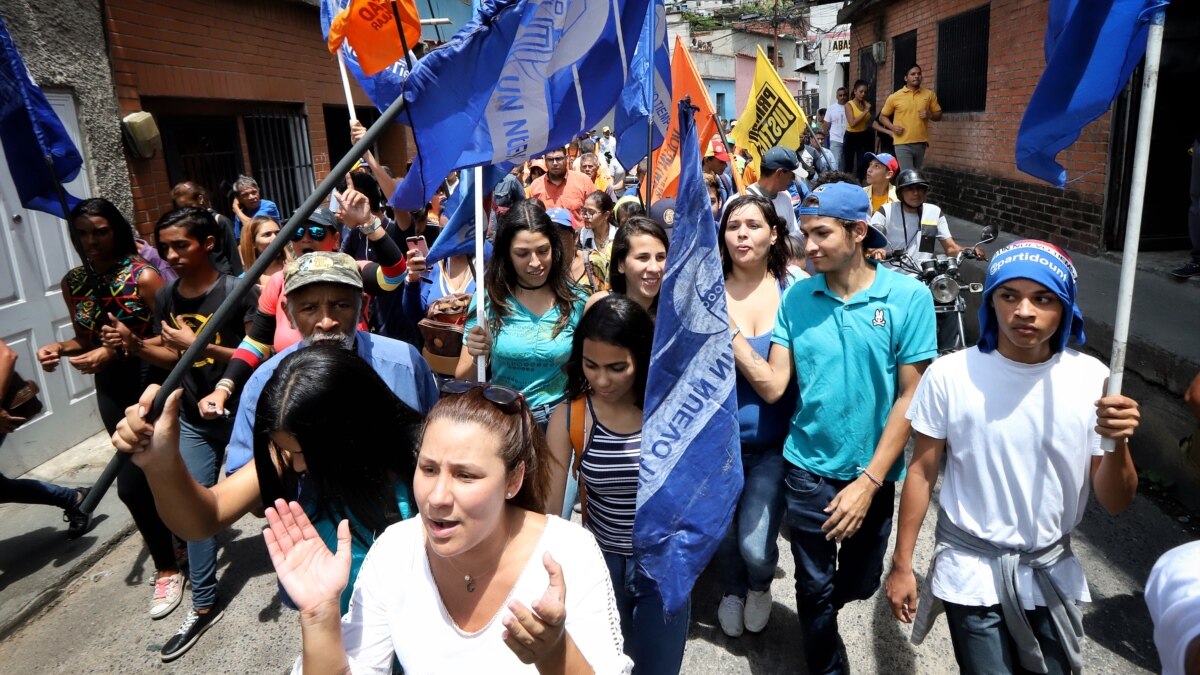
(62, 43)
(977, 150)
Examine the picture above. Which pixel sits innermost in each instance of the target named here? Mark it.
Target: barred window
(962, 69)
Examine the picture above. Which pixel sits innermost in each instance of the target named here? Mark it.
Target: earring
(508, 496)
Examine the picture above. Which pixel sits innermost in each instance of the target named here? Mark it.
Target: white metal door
(35, 253)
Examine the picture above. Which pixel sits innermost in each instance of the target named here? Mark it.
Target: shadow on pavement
(776, 650)
(239, 561)
(27, 553)
(1122, 624)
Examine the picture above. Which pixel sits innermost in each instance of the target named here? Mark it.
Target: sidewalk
(37, 561)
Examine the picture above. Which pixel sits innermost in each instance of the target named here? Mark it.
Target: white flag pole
(346, 85)
(480, 227)
(1133, 219)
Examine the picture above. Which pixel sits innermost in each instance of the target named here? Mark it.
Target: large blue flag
(383, 87)
(647, 93)
(522, 76)
(691, 465)
(39, 153)
(458, 236)
(1091, 48)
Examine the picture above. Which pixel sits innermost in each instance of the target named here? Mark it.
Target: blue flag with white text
(1091, 50)
(521, 77)
(458, 236)
(647, 92)
(40, 155)
(691, 463)
(383, 87)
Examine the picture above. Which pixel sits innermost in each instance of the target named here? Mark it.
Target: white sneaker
(758, 610)
(168, 591)
(729, 615)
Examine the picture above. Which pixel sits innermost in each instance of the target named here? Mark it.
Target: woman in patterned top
(114, 285)
(606, 388)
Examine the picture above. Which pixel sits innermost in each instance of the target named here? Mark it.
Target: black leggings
(118, 386)
(854, 146)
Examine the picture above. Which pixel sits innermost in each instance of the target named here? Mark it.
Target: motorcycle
(942, 275)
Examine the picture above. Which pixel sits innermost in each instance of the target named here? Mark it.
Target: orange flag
(371, 31)
(685, 82)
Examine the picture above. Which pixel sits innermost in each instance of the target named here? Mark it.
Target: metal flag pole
(1133, 219)
(233, 303)
(480, 226)
(341, 56)
(648, 179)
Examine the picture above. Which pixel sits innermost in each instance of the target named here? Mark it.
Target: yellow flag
(771, 116)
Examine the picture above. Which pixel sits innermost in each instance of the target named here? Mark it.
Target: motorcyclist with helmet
(913, 225)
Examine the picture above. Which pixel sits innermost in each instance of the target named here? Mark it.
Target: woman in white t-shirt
(479, 582)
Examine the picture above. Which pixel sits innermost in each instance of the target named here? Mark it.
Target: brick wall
(972, 155)
(222, 51)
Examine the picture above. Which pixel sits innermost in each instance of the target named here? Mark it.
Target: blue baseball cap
(561, 216)
(844, 201)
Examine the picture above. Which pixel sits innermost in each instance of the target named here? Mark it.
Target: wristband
(878, 483)
(226, 385)
(736, 331)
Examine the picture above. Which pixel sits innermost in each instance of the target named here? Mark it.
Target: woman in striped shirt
(597, 433)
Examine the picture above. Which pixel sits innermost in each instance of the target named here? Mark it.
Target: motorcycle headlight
(944, 289)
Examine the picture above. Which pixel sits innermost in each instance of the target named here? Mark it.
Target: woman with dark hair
(114, 282)
(531, 308)
(860, 137)
(639, 257)
(477, 583)
(599, 226)
(626, 208)
(596, 434)
(753, 241)
(186, 238)
(304, 450)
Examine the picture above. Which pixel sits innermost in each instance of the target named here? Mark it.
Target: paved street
(100, 624)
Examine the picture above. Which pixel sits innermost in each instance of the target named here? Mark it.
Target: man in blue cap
(1018, 418)
(857, 337)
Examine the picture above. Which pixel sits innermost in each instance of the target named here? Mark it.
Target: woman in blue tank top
(606, 387)
(754, 256)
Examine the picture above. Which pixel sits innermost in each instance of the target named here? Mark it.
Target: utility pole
(775, 32)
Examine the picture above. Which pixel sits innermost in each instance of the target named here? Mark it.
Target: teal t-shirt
(847, 356)
(527, 355)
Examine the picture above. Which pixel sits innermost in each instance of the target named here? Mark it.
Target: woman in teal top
(532, 309)
(328, 433)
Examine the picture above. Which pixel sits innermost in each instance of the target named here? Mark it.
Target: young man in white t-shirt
(835, 126)
(1019, 422)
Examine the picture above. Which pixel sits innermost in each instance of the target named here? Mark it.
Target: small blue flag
(521, 77)
(40, 154)
(384, 87)
(1091, 50)
(458, 236)
(647, 92)
(691, 465)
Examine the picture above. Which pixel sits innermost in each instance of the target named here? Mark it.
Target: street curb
(51, 595)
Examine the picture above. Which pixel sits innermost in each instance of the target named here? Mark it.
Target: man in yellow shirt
(907, 113)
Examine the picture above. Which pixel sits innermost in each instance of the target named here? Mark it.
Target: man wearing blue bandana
(1019, 419)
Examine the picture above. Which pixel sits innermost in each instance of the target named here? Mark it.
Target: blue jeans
(829, 575)
(836, 149)
(203, 451)
(748, 553)
(29, 491)
(982, 644)
(654, 642)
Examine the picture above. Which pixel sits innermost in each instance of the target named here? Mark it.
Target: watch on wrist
(371, 226)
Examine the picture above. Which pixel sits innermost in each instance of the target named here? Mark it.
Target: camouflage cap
(329, 267)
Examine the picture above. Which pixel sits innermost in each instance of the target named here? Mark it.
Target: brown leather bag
(442, 329)
(21, 399)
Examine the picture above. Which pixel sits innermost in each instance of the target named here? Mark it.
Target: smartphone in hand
(418, 244)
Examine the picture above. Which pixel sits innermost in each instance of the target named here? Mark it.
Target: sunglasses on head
(507, 400)
(317, 232)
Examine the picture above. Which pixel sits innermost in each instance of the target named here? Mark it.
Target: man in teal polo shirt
(857, 336)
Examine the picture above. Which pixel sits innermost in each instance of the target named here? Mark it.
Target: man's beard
(340, 340)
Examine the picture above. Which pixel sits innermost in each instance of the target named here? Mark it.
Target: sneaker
(758, 610)
(1187, 271)
(729, 615)
(193, 627)
(168, 591)
(77, 521)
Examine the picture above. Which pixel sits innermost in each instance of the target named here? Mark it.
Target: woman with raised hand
(597, 433)
(481, 582)
(328, 433)
(114, 280)
(531, 308)
(754, 256)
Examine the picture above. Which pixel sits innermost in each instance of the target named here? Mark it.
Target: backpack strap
(575, 420)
